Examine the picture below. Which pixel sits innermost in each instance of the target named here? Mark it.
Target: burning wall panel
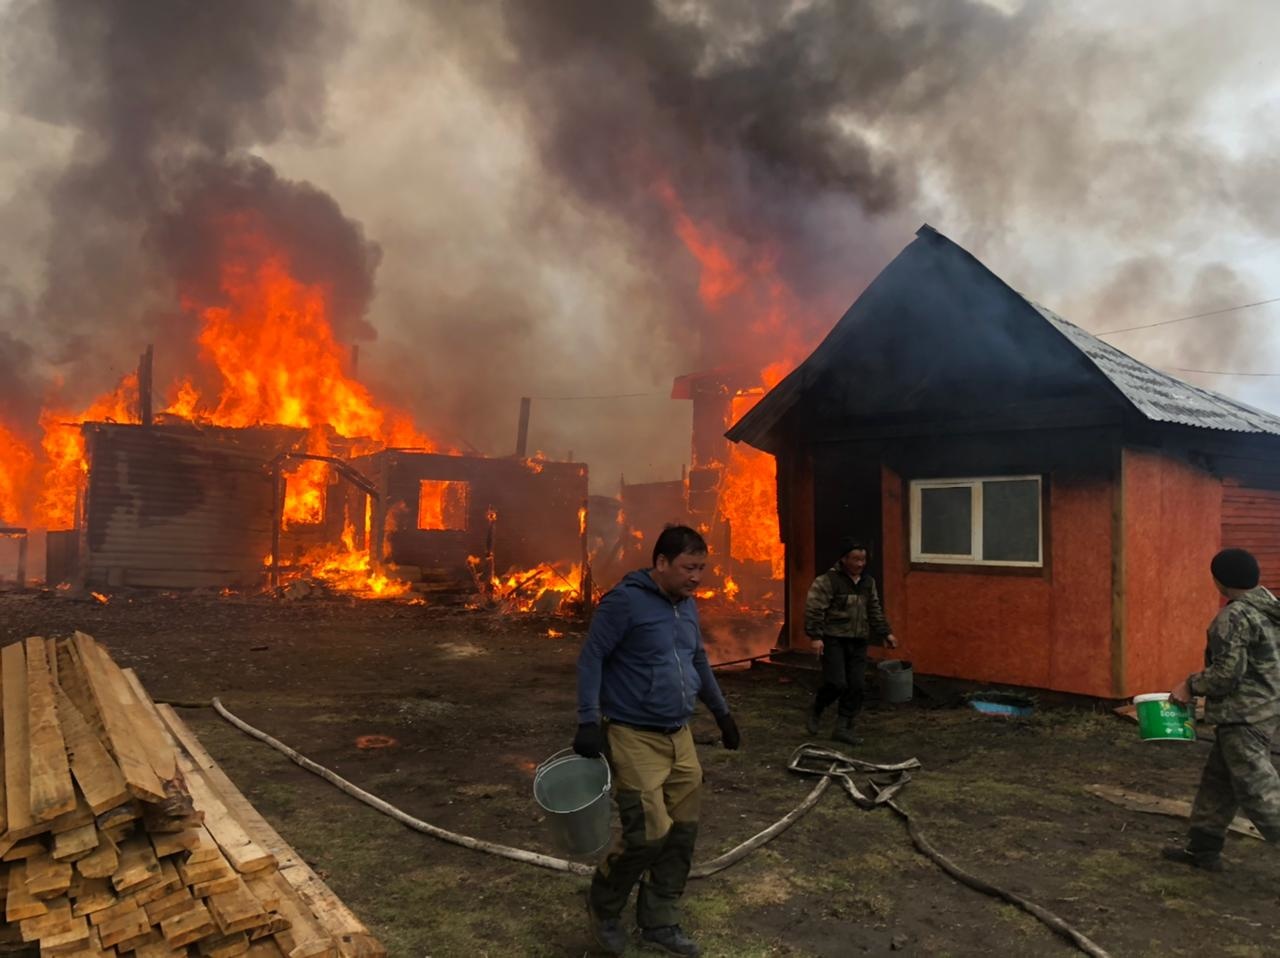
(177, 506)
(535, 503)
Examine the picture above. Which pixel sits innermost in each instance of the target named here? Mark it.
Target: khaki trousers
(658, 788)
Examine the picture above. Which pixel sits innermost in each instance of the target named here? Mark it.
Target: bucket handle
(570, 753)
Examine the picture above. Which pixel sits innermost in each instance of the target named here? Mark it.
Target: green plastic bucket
(1160, 719)
(574, 792)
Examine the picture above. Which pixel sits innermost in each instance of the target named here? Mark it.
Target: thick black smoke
(798, 126)
(167, 99)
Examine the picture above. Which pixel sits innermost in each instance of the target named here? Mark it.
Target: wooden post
(488, 551)
(145, 380)
(277, 517)
(22, 560)
(522, 433)
(584, 581)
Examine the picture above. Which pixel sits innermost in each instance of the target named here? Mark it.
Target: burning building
(1042, 507)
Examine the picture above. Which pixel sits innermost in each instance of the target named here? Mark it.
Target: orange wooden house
(1042, 506)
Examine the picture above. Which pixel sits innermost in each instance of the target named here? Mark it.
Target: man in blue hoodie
(641, 672)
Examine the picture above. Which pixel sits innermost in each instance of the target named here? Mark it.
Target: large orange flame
(740, 285)
(63, 446)
(269, 342)
(16, 465)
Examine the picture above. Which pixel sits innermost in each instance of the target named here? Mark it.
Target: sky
(496, 187)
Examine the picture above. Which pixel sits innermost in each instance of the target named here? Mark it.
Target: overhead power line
(610, 396)
(1219, 372)
(1183, 319)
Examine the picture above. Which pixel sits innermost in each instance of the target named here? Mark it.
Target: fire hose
(812, 760)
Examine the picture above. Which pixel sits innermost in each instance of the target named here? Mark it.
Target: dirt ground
(475, 700)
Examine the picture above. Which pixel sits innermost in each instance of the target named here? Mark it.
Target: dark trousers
(1239, 776)
(844, 670)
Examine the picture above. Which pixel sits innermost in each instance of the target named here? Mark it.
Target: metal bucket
(574, 792)
(896, 680)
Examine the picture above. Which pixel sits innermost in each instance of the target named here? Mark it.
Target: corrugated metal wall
(179, 507)
(1251, 520)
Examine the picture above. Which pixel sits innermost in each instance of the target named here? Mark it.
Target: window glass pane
(946, 521)
(1011, 521)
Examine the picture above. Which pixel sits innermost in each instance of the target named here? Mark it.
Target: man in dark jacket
(1241, 686)
(642, 670)
(843, 614)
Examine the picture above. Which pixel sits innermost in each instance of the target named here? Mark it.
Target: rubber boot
(844, 731)
(813, 720)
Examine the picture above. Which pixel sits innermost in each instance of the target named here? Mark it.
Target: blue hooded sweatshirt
(643, 662)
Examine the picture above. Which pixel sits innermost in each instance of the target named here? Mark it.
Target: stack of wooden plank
(120, 836)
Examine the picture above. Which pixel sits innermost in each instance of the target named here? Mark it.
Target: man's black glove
(589, 742)
(729, 731)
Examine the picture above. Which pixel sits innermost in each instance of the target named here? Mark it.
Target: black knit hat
(1235, 569)
(848, 544)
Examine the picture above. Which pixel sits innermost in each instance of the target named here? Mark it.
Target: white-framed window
(984, 520)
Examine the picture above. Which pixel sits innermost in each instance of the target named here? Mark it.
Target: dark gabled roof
(1157, 396)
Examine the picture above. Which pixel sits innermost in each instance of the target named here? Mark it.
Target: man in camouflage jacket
(1241, 686)
(843, 613)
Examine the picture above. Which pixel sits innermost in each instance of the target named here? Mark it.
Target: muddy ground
(475, 700)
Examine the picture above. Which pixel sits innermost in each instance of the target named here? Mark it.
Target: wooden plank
(172, 903)
(204, 871)
(168, 883)
(175, 843)
(58, 918)
(146, 723)
(138, 865)
(355, 940)
(126, 927)
(20, 903)
(237, 909)
(52, 793)
(46, 878)
(24, 849)
(123, 908)
(266, 948)
(51, 656)
(226, 946)
(1155, 805)
(244, 854)
(90, 895)
(17, 745)
(156, 947)
(75, 685)
(188, 926)
(81, 815)
(92, 766)
(134, 765)
(305, 936)
(76, 844)
(102, 861)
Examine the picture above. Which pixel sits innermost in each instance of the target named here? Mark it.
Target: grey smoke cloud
(506, 157)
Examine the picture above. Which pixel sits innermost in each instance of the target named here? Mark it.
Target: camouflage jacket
(837, 606)
(1241, 679)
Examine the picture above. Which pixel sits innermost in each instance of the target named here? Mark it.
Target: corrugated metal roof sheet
(1159, 396)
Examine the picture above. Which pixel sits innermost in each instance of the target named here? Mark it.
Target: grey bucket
(574, 792)
(896, 680)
